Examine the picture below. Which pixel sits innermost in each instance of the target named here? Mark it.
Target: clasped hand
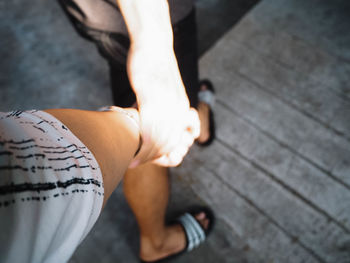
(167, 123)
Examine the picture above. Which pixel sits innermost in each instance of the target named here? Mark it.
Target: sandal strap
(207, 96)
(194, 232)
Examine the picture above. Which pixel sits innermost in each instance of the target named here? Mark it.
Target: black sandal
(194, 232)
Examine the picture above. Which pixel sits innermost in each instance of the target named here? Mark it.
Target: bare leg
(146, 189)
(203, 113)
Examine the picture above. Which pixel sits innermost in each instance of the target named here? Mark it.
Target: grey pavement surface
(278, 174)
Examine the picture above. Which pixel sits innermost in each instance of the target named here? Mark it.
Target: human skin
(168, 124)
(166, 119)
(112, 137)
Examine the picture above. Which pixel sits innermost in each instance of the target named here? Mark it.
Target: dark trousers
(114, 48)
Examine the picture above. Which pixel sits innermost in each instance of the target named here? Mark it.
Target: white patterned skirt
(51, 188)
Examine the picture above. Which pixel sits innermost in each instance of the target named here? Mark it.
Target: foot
(173, 242)
(203, 112)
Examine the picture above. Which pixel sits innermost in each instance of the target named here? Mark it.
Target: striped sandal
(194, 232)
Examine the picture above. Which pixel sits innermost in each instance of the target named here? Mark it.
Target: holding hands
(168, 125)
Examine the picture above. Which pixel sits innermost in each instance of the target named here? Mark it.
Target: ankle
(150, 246)
(171, 241)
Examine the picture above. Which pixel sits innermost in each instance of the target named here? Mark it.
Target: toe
(203, 87)
(203, 220)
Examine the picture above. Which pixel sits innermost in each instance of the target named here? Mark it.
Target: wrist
(155, 77)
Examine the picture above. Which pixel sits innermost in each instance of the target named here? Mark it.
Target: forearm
(110, 136)
(152, 65)
(165, 115)
(148, 22)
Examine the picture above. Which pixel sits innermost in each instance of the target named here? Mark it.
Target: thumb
(146, 152)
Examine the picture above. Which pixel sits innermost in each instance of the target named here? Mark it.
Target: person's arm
(111, 136)
(168, 124)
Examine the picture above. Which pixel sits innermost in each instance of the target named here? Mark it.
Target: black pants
(114, 48)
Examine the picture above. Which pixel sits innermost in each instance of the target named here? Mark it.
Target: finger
(169, 140)
(133, 114)
(157, 140)
(179, 154)
(147, 152)
(187, 139)
(176, 142)
(162, 161)
(141, 158)
(193, 125)
(173, 159)
(170, 143)
(153, 149)
(166, 161)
